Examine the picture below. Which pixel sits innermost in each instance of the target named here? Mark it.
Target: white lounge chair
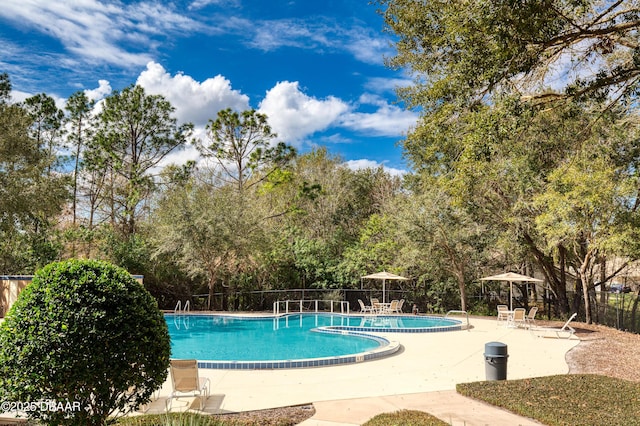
(566, 331)
(186, 381)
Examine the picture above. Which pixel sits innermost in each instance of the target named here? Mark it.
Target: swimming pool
(290, 341)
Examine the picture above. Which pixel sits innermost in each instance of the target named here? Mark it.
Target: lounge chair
(519, 317)
(531, 317)
(566, 331)
(364, 308)
(503, 313)
(400, 304)
(186, 381)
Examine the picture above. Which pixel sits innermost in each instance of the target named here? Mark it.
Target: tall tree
(241, 144)
(79, 121)
(135, 132)
(46, 126)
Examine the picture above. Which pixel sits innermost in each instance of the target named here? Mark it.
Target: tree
(135, 133)
(79, 121)
(83, 334)
(30, 196)
(498, 161)
(453, 244)
(461, 51)
(46, 126)
(588, 208)
(240, 144)
(208, 229)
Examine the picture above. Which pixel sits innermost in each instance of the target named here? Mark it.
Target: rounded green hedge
(86, 337)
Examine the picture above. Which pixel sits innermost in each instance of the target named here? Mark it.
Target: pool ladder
(179, 307)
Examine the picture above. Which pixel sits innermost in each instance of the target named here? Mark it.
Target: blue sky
(314, 67)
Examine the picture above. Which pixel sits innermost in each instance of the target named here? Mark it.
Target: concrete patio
(422, 375)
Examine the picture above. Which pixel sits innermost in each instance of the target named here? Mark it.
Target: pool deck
(422, 375)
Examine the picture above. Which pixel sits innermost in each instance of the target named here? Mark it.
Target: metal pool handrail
(179, 307)
(344, 305)
(459, 312)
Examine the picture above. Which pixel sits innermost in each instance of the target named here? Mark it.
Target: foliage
(563, 400)
(207, 230)
(31, 197)
(194, 419)
(136, 131)
(240, 144)
(172, 419)
(405, 418)
(462, 51)
(92, 336)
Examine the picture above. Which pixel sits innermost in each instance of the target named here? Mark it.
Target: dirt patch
(285, 416)
(607, 351)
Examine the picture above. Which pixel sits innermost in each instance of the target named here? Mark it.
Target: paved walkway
(422, 376)
(449, 406)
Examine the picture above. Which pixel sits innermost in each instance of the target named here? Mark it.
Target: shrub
(84, 336)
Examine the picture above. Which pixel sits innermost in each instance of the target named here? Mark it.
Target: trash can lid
(495, 348)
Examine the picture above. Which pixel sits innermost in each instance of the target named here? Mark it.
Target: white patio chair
(364, 308)
(186, 381)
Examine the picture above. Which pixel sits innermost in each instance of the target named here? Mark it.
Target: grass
(171, 419)
(405, 418)
(565, 400)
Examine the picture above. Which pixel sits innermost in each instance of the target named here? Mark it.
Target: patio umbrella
(511, 277)
(384, 276)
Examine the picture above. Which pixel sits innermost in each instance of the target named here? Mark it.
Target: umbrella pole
(510, 296)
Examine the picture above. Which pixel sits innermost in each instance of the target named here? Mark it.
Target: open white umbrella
(511, 277)
(384, 276)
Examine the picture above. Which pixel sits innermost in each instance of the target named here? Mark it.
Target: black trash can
(495, 360)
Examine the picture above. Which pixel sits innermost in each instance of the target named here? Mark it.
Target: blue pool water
(230, 338)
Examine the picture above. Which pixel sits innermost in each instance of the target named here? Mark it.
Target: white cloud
(386, 120)
(199, 4)
(321, 35)
(98, 31)
(382, 85)
(367, 47)
(195, 102)
(370, 164)
(294, 115)
(100, 92)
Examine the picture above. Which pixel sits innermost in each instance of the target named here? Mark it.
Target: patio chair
(531, 317)
(186, 381)
(519, 317)
(566, 331)
(393, 307)
(375, 305)
(503, 313)
(400, 304)
(364, 308)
